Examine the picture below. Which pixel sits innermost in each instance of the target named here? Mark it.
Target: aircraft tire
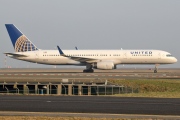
(88, 71)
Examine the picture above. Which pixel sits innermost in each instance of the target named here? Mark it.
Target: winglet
(60, 51)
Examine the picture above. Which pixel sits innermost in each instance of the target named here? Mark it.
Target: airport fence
(74, 90)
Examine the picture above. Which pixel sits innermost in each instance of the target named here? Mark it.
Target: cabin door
(125, 55)
(159, 56)
(36, 56)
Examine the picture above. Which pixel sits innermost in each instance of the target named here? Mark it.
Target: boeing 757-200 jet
(93, 59)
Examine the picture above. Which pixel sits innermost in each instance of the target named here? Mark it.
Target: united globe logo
(23, 44)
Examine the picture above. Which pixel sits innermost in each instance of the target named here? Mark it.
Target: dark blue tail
(20, 42)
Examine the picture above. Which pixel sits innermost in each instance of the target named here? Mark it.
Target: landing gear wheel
(156, 68)
(88, 71)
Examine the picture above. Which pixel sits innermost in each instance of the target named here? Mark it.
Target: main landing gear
(155, 69)
(88, 69)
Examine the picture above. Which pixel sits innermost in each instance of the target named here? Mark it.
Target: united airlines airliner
(93, 59)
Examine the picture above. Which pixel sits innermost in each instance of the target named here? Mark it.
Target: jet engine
(106, 65)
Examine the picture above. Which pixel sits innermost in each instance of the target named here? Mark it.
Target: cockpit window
(168, 55)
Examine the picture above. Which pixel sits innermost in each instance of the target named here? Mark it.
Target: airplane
(93, 59)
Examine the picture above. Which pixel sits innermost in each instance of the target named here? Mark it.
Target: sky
(92, 24)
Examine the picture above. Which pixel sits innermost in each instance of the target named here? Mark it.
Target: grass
(63, 118)
(152, 94)
(161, 88)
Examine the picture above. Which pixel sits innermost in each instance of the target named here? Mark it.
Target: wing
(15, 55)
(80, 59)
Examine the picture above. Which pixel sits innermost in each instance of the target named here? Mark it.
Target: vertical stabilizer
(20, 42)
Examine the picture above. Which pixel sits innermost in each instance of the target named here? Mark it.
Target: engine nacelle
(106, 65)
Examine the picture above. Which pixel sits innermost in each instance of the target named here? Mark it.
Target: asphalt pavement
(90, 104)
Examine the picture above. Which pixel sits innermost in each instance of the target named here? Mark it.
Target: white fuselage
(116, 56)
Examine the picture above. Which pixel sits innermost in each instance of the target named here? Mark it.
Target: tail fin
(20, 42)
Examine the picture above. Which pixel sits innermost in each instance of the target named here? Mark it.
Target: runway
(80, 70)
(92, 104)
(53, 75)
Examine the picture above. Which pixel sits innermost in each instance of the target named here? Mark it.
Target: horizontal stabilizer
(15, 55)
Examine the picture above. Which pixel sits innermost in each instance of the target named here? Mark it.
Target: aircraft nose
(175, 60)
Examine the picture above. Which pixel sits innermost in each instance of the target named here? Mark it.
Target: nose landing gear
(156, 68)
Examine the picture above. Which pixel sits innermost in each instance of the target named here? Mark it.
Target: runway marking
(51, 74)
(15, 74)
(8, 74)
(1, 74)
(23, 74)
(30, 74)
(37, 74)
